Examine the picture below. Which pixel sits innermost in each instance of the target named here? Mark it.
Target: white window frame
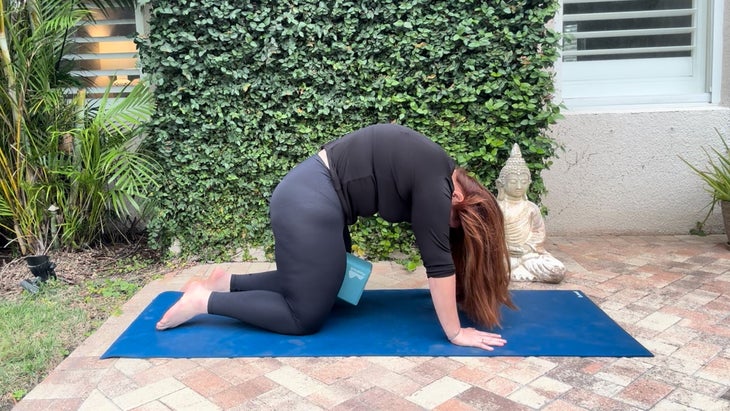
(578, 91)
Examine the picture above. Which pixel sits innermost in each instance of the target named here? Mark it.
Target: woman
(401, 175)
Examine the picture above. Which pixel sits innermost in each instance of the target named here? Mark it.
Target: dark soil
(133, 262)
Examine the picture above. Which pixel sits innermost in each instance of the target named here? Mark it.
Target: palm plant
(106, 173)
(29, 49)
(103, 170)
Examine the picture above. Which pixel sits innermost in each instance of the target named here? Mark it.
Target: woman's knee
(311, 318)
(307, 328)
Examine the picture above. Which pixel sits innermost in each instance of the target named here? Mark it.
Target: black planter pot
(41, 267)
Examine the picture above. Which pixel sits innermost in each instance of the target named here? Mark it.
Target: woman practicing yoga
(401, 175)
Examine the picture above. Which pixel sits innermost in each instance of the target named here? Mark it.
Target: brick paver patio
(672, 293)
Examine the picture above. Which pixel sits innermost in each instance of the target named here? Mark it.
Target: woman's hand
(443, 293)
(471, 337)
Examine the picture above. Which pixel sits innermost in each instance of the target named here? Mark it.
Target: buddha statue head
(514, 178)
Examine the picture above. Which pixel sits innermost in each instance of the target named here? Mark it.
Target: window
(636, 51)
(103, 51)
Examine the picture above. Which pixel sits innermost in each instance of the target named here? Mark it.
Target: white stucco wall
(620, 172)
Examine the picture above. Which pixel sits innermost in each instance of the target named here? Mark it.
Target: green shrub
(246, 90)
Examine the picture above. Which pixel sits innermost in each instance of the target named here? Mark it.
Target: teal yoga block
(357, 274)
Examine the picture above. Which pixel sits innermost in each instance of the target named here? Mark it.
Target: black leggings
(308, 225)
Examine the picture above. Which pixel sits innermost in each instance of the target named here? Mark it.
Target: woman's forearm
(443, 294)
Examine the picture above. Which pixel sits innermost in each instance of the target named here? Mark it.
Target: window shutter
(600, 30)
(103, 51)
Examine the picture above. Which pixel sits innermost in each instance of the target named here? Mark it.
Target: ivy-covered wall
(245, 90)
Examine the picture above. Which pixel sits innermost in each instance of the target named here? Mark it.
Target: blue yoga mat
(388, 323)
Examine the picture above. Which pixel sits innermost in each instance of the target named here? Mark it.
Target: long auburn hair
(479, 250)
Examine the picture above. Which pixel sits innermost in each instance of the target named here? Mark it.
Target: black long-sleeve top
(402, 175)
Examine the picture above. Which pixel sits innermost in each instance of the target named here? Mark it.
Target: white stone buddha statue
(524, 225)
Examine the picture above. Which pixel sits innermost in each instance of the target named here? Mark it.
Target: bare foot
(219, 280)
(192, 303)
